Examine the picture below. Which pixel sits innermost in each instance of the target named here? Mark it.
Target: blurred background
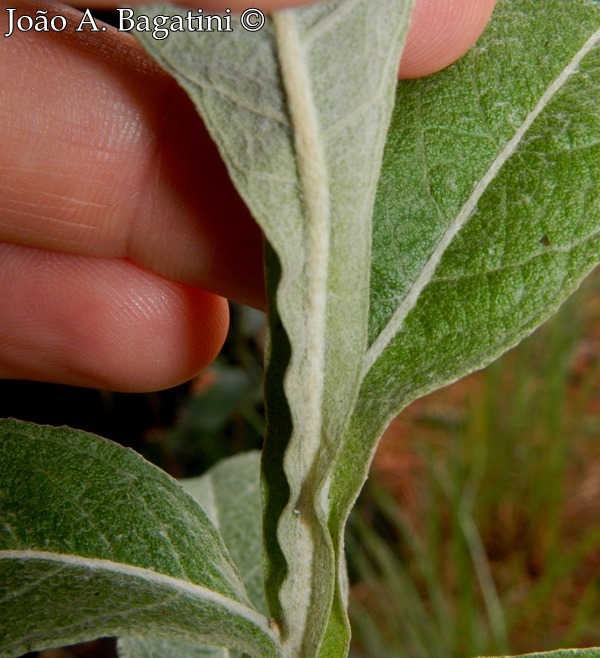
(478, 532)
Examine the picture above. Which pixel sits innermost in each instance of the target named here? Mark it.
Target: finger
(441, 31)
(118, 174)
(207, 5)
(103, 155)
(102, 322)
(127, 130)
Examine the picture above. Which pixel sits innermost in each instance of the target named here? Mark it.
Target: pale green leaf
(230, 495)
(300, 112)
(96, 541)
(153, 647)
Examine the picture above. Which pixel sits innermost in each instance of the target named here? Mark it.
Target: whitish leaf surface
(156, 647)
(487, 213)
(96, 541)
(230, 495)
(300, 111)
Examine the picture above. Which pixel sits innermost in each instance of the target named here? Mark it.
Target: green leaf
(562, 653)
(152, 647)
(300, 112)
(499, 214)
(96, 541)
(230, 495)
(487, 217)
(487, 214)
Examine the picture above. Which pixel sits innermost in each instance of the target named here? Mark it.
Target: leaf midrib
(152, 577)
(314, 192)
(395, 323)
(313, 189)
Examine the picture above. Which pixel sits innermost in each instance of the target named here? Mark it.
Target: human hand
(112, 199)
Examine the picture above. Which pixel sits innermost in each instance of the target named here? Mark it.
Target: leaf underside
(300, 112)
(147, 646)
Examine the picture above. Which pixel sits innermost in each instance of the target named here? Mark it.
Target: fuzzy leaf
(96, 541)
(230, 495)
(487, 217)
(487, 214)
(153, 647)
(499, 212)
(300, 111)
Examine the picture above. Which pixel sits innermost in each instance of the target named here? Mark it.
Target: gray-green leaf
(300, 112)
(487, 217)
(96, 541)
(152, 647)
(487, 213)
(230, 495)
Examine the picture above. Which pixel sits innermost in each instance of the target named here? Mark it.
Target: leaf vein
(330, 21)
(554, 249)
(177, 586)
(239, 101)
(397, 320)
